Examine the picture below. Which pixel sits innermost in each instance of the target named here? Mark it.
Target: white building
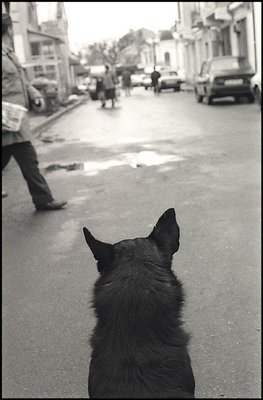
(210, 29)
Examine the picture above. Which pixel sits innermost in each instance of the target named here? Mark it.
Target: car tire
(198, 97)
(237, 99)
(258, 96)
(209, 99)
(251, 98)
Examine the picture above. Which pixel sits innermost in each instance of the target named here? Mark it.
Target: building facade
(56, 24)
(39, 51)
(210, 29)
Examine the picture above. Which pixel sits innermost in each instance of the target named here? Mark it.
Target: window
(204, 69)
(38, 68)
(48, 48)
(50, 68)
(38, 71)
(51, 72)
(35, 49)
(226, 41)
(167, 58)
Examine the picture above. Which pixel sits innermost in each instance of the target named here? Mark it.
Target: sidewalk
(39, 121)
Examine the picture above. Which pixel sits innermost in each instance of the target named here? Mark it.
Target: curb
(38, 128)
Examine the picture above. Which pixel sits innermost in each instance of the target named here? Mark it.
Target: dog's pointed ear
(166, 233)
(102, 252)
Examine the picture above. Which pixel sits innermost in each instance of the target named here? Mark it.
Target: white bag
(12, 116)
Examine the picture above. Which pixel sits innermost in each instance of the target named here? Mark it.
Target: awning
(43, 36)
(79, 70)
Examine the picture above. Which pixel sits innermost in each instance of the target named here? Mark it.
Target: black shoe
(4, 194)
(51, 206)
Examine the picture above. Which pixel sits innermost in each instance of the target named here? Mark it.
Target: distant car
(147, 82)
(136, 79)
(181, 75)
(169, 80)
(255, 84)
(222, 77)
(82, 88)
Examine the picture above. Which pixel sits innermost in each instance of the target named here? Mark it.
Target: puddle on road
(52, 140)
(135, 160)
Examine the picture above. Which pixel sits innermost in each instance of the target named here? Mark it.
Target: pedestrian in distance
(100, 90)
(126, 82)
(109, 85)
(155, 75)
(16, 94)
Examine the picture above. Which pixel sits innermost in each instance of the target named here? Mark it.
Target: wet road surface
(119, 170)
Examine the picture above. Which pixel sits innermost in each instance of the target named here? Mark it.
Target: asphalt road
(120, 170)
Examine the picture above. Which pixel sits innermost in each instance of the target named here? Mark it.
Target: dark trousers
(26, 157)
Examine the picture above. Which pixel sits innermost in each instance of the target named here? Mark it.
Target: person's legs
(112, 96)
(26, 157)
(101, 96)
(6, 155)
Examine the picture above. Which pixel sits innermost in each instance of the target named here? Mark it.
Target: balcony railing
(44, 57)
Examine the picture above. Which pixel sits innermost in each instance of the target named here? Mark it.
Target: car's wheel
(198, 97)
(209, 99)
(251, 98)
(258, 96)
(237, 99)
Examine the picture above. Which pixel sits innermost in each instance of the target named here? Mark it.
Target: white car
(255, 84)
(169, 80)
(136, 79)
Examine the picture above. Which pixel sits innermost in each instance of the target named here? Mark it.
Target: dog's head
(164, 237)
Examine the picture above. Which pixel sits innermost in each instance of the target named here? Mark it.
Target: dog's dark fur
(139, 346)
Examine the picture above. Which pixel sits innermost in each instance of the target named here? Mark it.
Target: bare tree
(109, 51)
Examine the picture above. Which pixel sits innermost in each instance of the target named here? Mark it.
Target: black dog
(139, 346)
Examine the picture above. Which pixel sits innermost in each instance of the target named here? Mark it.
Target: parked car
(82, 87)
(255, 84)
(169, 80)
(136, 79)
(224, 76)
(147, 82)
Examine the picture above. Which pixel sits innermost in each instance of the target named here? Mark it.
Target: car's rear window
(229, 63)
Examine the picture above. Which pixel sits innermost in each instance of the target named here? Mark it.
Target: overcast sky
(89, 21)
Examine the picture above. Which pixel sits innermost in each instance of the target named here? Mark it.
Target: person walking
(126, 82)
(109, 85)
(16, 92)
(155, 75)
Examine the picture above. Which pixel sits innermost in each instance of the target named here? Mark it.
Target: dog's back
(139, 346)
